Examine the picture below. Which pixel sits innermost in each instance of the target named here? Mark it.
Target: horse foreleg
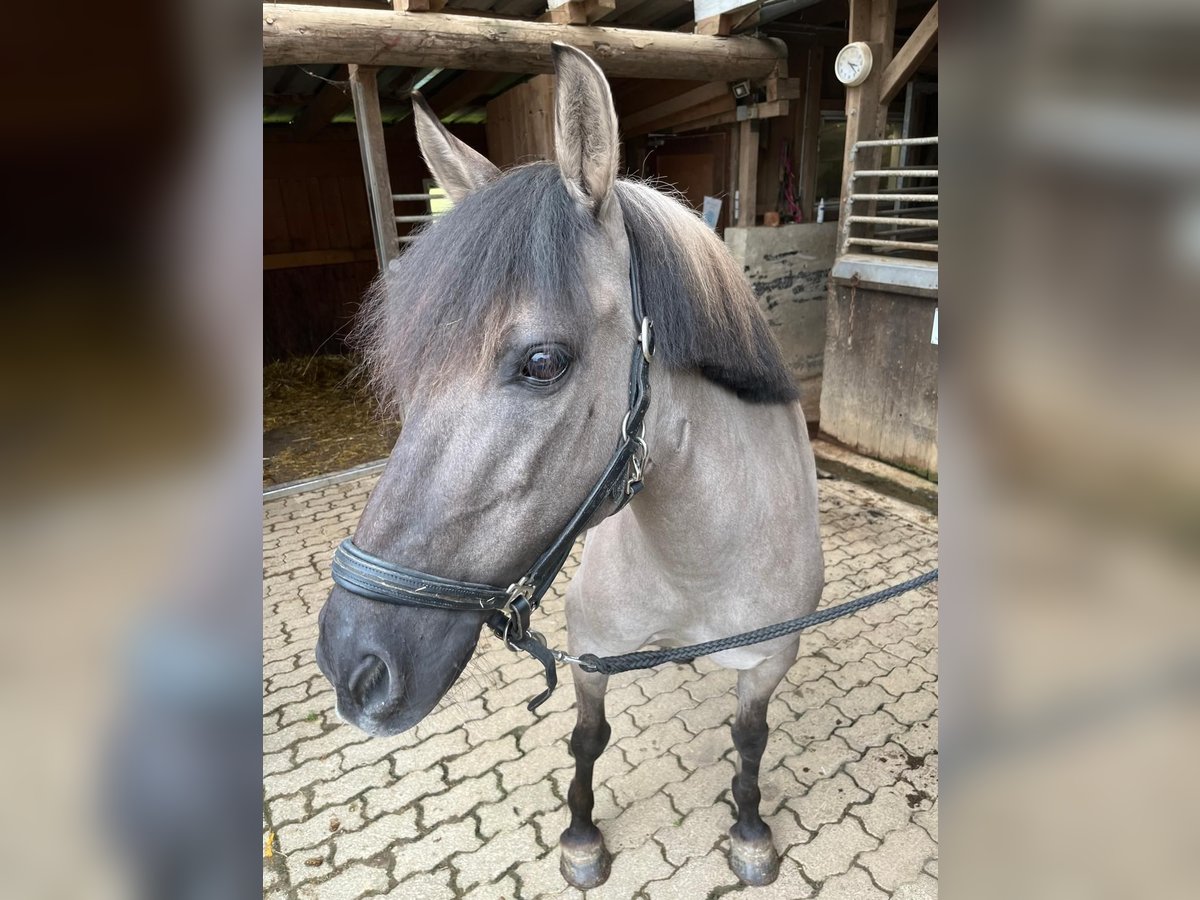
(752, 856)
(584, 859)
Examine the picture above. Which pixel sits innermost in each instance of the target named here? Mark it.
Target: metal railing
(890, 210)
(415, 219)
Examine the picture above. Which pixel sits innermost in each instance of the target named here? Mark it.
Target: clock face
(853, 64)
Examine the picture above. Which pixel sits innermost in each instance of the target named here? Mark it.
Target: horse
(502, 336)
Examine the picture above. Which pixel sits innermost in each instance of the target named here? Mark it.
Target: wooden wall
(520, 123)
(318, 255)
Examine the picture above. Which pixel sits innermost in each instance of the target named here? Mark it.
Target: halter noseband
(376, 579)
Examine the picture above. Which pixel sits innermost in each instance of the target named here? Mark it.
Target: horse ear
(585, 127)
(457, 168)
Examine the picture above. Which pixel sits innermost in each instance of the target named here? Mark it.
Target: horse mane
(448, 299)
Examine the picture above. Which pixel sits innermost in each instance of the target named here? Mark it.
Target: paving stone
(705, 749)
(928, 819)
(698, 877)
(924, 888)
(461, 799)
(654, 741)
(900, 858)
(287, 737)
(375, 837)
(871, 731)
(833, 848)
(401, 794)
(433, 848)
(814, 724)
(496, 856)
(915, 706)
(879, 767)
(287, 809)
(352, 883)
(483, 758)
(644, 780)
(862, 701)
(317, 829)
(530, 768)
(297, 779)
(351, 784)
(820, 759)
(522, 805)
(436, 749)
(430, 886)
(702, 787)
(694, 835)
(638, 821)
(375, 749)
(711, 713)
(827, 801)
(501, 889)
(853, 885)
(921, 739)
(886, 811)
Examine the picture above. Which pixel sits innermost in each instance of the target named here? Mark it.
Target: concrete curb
(879, 476)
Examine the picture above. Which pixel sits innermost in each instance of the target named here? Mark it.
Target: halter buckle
(646, 338)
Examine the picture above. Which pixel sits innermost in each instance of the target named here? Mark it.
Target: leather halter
(376, 579)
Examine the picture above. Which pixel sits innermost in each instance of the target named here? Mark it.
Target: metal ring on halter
(646, 339)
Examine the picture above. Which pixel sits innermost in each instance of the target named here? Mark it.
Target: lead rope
(535, 644)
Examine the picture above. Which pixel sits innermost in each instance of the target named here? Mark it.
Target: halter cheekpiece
(376, 579)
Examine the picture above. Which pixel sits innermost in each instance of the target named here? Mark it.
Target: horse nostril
(370, 685)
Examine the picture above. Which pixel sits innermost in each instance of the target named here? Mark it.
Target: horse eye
(545, 365)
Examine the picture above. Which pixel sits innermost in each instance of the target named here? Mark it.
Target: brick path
(470, 803)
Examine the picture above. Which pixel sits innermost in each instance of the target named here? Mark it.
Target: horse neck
(719, 465)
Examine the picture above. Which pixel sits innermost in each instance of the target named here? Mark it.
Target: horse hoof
(585, 865)
(754, 862)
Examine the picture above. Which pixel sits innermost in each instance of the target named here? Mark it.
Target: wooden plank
(307, 258)
(369, 123)
(335, 213)
(911, 55)
(296, 207)
(418, 5)
(715, 107)
(275, 227)
(301, 35)
(320, 220)
(747, 181)
(632, 124)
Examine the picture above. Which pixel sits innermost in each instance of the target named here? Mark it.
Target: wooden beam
(721, 17)
(306, 258)
(632, 124)
(910, 57)
(364, 90)
(305, 35)
(747, 182)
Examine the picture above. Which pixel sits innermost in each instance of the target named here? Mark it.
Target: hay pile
(318, 417)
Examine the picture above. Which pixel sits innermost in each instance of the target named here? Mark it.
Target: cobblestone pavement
(470, 803)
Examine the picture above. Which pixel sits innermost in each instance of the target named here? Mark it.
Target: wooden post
(579, 12)
(747, 182)
(911, 55)
(808, 139)
(364, 90)
(873, 21)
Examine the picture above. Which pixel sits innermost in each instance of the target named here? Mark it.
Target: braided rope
(646, 659)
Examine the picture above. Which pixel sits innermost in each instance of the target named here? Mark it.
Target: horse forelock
(446, 304)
